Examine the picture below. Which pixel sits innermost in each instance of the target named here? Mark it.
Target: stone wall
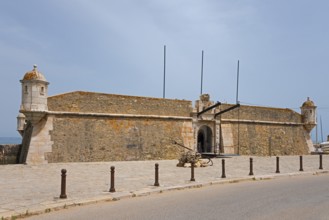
(40, 141)
(90, 127)
(268, 140)
(263, 131)
(88, 138)
(255, 113)
(9, 153)
(118, 104)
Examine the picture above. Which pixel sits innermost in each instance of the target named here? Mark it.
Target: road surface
(302, 197)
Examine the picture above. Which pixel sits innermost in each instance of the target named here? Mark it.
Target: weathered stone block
(9, 153)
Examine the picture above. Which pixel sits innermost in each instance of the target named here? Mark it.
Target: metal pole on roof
(321, 129)
(237, 83)
(237, 102)
(164, 71)
(201, 71)
(316, 132)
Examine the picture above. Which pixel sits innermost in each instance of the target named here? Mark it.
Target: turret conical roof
(34, 75)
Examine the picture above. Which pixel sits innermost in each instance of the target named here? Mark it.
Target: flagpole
(237, 83)
(201, 72)
(164, 71)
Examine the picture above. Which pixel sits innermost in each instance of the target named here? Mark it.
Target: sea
(10, 140)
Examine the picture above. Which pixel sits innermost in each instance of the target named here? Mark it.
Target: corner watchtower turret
(308, 111)
(34, 99)
(34, 91)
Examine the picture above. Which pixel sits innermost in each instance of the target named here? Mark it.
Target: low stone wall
(9, 153)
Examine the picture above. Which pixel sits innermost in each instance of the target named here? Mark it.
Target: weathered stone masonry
(86, 126)
(104, 127)
(99, 138)
(264, 131)
(9, 153)
(118, 104)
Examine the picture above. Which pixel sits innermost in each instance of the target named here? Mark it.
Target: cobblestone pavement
(26, 189)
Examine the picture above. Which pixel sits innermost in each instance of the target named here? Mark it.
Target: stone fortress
(86, 126)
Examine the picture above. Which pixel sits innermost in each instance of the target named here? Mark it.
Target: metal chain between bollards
(112, 189)
(63, 185)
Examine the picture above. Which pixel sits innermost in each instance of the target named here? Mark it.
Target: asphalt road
(302, 197)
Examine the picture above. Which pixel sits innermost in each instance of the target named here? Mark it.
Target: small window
(42, 90)
(25, 90)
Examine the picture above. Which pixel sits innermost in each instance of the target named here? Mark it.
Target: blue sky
(117, 47)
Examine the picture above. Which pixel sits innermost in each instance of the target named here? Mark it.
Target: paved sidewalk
(26, 189)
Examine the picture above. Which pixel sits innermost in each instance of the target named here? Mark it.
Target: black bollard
(251, 167)
(156, 183)
(320, 162)
(112, 189)
(192, 171)
(301, 163)
(223, 168)
(277, 165)
(63, 185)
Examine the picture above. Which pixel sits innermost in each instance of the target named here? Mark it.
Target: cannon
(192, 156)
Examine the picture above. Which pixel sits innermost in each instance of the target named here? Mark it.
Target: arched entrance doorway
(204, 139)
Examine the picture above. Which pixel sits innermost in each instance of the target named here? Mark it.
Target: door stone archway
(205, 139)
